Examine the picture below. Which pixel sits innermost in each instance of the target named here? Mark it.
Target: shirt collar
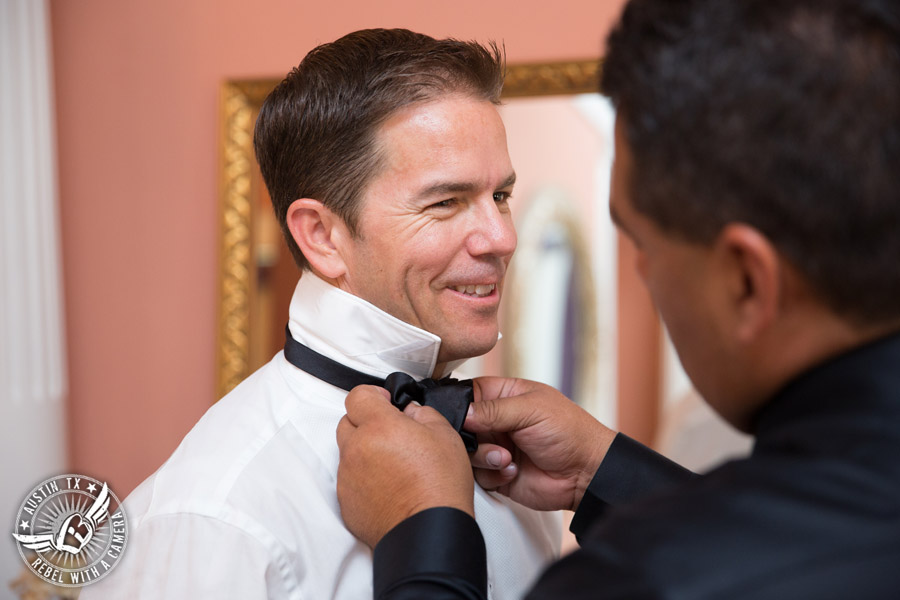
(358, 334)
(857, 384)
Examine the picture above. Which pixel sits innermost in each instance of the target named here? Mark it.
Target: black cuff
(439, 546)
(629, 471)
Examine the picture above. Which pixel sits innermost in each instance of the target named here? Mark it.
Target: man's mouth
(479, 291)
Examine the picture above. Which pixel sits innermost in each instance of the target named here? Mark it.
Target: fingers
(493, 466)
(434, 421)
(490, 456)
(423, 414)
(491, 388)
(504, 414)
(491, 479)
(344, 429)
(366, 402)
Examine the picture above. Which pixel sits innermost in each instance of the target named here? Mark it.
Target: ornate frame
(240, 102)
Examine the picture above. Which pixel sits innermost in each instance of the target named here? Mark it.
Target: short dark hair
(784, 115)
(316, 132)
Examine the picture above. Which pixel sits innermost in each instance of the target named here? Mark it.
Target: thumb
(365, 402)
(424, 414)
(502, 415)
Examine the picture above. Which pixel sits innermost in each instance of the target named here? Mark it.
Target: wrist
(602, 440)
(447, 493)
(467, 506)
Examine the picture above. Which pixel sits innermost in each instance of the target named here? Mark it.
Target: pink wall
(137, 89)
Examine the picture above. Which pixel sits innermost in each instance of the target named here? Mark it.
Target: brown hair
(783, 115)
(316, 132)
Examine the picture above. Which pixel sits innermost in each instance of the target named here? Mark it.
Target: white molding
(32, 341)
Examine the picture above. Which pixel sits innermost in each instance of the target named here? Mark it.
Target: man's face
(435, 234)
(679, 276)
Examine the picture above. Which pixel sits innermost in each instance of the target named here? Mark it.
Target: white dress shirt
(246, 506)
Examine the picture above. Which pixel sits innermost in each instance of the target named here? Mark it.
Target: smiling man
(387, 164)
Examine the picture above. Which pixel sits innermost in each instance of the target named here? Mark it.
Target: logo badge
(71, 530)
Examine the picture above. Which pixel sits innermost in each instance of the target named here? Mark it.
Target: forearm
(629, 471)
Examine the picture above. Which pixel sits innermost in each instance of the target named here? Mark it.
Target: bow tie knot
(450, 397)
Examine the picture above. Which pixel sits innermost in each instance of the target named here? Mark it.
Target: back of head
(316, 132)
(784, 115)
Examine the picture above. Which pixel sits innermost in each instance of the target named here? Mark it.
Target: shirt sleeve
(593, 573)
(630, 471)
(437, 554)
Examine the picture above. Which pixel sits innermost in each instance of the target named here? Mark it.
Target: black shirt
(813, 512)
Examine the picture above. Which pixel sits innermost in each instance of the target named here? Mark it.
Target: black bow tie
(450, 397)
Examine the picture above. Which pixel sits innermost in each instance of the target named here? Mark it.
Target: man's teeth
(475, 290)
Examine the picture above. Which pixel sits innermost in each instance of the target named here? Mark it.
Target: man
(757, 147)
(387, 164)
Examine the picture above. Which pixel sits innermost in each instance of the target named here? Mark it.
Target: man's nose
(493, 232)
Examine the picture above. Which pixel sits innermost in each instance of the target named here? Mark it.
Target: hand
(535, 445)
(395, 464)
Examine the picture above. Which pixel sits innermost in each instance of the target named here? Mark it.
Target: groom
(386, 161)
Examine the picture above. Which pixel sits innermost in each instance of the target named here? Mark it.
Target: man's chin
(465, 349)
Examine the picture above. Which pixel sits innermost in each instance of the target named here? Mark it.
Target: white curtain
(32, 343)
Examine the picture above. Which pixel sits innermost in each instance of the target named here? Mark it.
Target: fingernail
(493, 458)
(509, 470)
(416, 403)
(471, 411)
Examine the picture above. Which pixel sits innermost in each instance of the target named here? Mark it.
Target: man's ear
(319, 233)
(754, 280)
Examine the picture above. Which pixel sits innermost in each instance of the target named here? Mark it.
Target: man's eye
(444, 203)
(502, 196)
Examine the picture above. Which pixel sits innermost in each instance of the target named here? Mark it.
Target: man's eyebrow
(442, 188)
(509, 181)
(446, 187)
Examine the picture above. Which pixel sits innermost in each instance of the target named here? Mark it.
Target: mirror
(560, 297)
